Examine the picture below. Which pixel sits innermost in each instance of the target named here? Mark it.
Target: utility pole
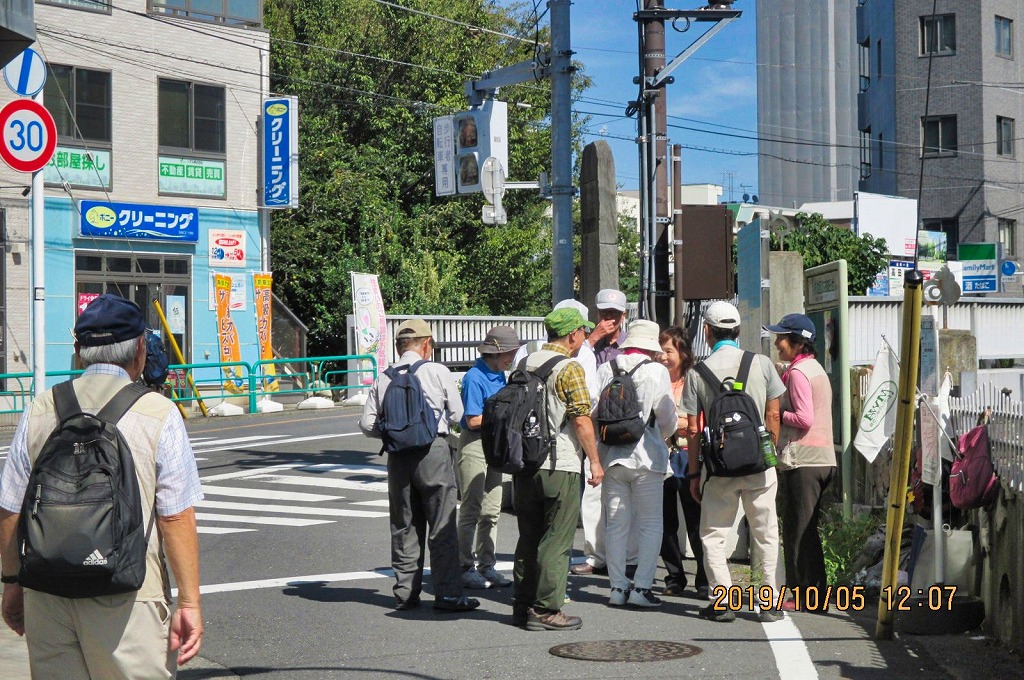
(38, 239)
(652, 140)
(556, 64)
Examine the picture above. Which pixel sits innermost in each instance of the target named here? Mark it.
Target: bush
(842, 540)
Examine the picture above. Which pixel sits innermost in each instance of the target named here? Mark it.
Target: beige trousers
(480, 489)
(111, 637)
(721, 498)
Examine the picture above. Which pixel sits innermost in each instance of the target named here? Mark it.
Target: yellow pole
(178, 355)
(909, 366)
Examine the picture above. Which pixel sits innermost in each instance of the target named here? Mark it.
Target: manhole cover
(625, 650)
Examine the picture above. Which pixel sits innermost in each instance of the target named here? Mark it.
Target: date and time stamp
(841, 598)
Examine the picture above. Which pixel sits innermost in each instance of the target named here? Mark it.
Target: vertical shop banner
(227, 334)
(280, 148)
(261, 283)
(371, 325)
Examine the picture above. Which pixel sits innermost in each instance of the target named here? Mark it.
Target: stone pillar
(958, 352)
(599, 259)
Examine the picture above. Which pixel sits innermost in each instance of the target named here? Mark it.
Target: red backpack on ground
(972, 481)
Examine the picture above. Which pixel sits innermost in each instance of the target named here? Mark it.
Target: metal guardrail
(318, 376)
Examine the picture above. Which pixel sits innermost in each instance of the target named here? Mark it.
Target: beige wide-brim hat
(643, 334)
(499, 340)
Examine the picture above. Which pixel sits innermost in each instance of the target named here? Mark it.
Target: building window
(79, 100)
(192, 117)
(865, 66)
(938, 34)
(881, 153)
(1008, 237)
(232, 12)
(865, 153)
(1004, 136)
(950, 226)
(938, 135)
(102, 6)
(878, 60)
(1004, 37)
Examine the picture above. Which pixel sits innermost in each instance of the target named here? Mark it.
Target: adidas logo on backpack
(95, 559)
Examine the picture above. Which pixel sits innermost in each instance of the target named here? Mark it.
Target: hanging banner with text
(261, 284)
(371, 325)
(227, 334)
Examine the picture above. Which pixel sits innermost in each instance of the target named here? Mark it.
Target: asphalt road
(296, 584)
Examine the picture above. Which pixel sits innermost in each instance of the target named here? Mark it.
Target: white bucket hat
(643, 334)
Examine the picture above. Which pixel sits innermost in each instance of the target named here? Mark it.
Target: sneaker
(588, 569)
(450, 603)
(494, 578)
(673, 590)
(551, 621)
(471, 578)
(770, 616)
(617, 598)
(711, 614)
(643, 598)
(405, 605)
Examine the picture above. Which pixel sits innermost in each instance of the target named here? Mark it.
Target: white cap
(722, 315)
(574, 304)
(609, 298)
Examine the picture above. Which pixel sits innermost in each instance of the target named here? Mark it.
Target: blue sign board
(280, 153)
(140, 221)
(1009, 267)
(26, 73)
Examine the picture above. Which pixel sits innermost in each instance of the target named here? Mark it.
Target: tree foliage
(370, 79)
(820, 242)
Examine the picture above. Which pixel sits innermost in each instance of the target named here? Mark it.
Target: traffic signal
(480, 133)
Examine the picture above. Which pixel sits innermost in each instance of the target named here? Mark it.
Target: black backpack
(406, 421)
(731, 446)
(80, 531)
(619, 417)
(154, 373)
(515, 432)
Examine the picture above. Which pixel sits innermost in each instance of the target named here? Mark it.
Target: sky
(715, 92)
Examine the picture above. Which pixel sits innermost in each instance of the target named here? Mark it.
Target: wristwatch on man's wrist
(13, 578)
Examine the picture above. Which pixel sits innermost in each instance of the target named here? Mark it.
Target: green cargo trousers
(547, 509)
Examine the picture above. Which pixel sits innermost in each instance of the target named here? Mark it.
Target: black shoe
(630, 571)
(770, 616)
(703, 593)
(450, 603)
(673, 589)
(712, 614)
(406, 605)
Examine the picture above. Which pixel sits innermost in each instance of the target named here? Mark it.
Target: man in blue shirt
(480, 486)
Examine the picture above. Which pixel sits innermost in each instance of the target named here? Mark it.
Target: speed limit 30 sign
(29, 135)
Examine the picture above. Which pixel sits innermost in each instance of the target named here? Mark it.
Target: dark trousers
(671, 549)
(547, 510)
(422, 494)
(802, 489)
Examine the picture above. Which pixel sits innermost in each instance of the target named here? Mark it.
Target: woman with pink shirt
(807, 457)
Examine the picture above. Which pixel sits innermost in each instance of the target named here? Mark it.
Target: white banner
(878, 421)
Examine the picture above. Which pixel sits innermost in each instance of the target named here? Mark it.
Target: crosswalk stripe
(288, 509)
(221, 530)
(268, 494)
(242, 519)
(324, 482)
(249, 473)
(236, 440)
(378, 470)
(199, 439)
(381, 503)
(290, 440)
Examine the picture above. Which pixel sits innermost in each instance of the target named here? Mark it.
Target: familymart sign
(980, 264)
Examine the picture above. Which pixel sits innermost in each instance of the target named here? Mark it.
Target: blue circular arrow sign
(26, 73)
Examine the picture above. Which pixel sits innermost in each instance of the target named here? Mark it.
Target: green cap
(562, 322)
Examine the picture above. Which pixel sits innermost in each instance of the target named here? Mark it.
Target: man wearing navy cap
(135, 634)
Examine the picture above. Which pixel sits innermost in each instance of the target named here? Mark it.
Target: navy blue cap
(109, 319)
(798, 324)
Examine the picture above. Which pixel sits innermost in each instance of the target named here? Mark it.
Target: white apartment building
(156, 104)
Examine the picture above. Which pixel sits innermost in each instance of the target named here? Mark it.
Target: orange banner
(261, 283)
(227, 333)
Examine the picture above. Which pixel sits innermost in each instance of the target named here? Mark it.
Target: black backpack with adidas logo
(619, 418)
(80, 532)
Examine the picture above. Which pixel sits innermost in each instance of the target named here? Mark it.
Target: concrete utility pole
(38, 241)
(652, 140)
(555, 63)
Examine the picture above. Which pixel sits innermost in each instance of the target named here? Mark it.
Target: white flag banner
(878, 421)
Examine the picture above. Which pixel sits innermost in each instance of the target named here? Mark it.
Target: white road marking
(288, 509)
(791, 655)
(241, 474)
(220, 530)
(312, 578)
(383, 502)
(199, 439)
(324, 482)
(268, 494)
(279, 521)
(236, 440)
(378, 470)
(290, 440)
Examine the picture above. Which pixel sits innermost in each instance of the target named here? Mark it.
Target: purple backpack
(972, 481)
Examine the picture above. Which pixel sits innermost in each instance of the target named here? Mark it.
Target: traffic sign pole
(38, 199)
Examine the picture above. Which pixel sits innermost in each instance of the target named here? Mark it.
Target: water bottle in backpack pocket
(733, 444)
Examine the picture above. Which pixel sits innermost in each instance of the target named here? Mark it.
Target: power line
(453, 21)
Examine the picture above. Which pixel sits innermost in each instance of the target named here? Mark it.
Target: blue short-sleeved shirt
(479, 383)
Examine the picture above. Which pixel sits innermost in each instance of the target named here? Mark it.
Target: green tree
(820, 241)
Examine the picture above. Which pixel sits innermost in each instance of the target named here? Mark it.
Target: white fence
(1005, 430)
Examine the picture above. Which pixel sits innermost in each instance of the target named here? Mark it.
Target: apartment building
(156, 104)
(960, 122)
